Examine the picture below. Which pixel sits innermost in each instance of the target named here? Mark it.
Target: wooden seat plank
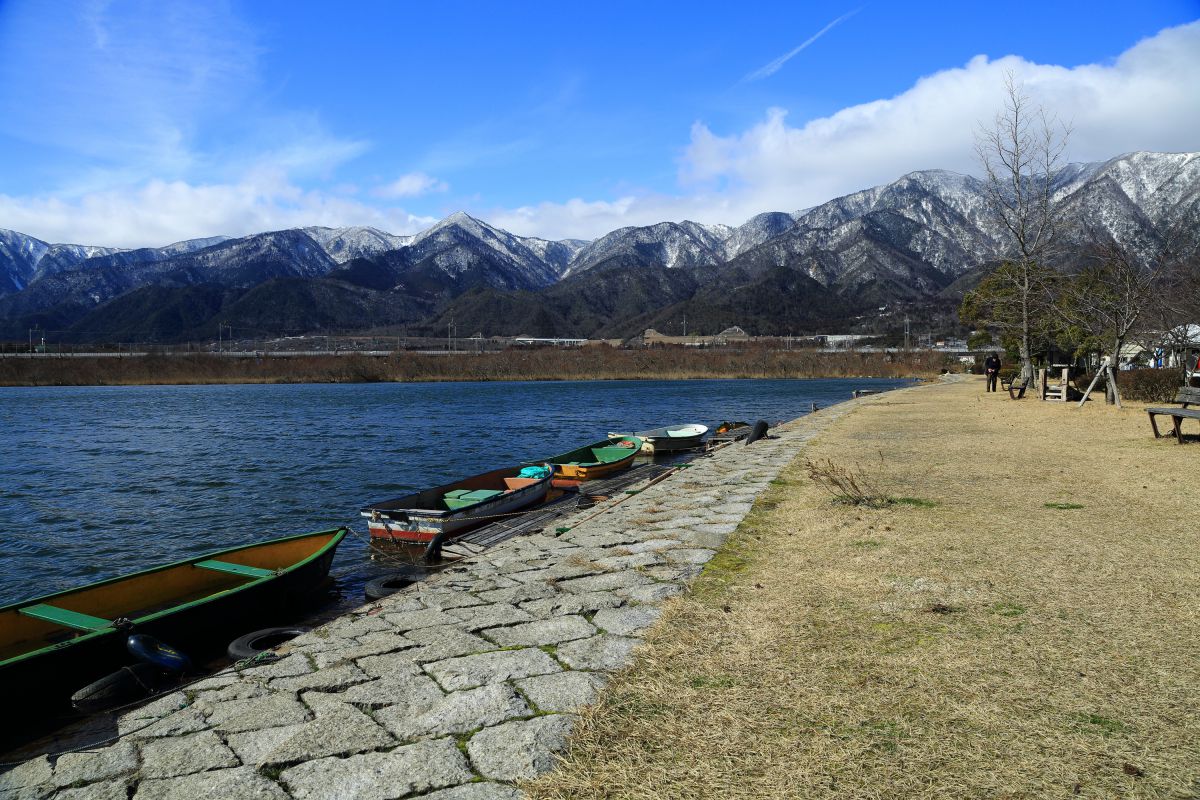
(66, 617)
(235, 569)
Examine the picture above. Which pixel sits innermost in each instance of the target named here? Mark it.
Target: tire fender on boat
(123, 686)
(162, 655)
(260, 641)
(389, 584)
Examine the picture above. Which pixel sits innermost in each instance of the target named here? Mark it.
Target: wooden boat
(456, 508)
(51, 646)
(672, 438)
(597, 460)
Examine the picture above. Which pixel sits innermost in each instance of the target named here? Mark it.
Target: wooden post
(1103, 369)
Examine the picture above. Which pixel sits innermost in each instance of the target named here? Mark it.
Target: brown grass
(985, 646)
(591, 363)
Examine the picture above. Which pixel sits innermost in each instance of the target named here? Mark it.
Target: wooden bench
(1187, 396)
(1015, 390)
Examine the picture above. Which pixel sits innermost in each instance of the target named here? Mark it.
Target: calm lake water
(100, 481)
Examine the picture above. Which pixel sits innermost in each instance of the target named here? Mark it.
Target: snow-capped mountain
(671, 244)
(344, 244)
(906, 240)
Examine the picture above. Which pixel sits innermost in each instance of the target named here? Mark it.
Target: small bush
(1149, 385)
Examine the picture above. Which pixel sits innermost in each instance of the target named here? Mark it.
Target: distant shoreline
(509, 365)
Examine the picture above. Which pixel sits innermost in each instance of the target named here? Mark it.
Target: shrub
(1149, 385)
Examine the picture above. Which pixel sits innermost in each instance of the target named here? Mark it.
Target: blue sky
(137, 123)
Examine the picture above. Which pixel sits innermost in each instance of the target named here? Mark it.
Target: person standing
(991, 368)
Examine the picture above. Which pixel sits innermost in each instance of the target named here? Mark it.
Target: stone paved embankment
(451, 690)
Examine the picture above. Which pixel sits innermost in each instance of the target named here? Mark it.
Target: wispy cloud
(774, 66)
(414, 184)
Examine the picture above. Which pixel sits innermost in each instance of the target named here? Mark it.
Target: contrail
(773, 67)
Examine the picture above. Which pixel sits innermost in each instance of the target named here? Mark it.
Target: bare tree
(1112, 295)
(1021, 156)
(1175, 308)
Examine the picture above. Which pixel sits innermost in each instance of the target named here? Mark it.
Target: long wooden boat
(455, 508)
(672, 438)
(595, 460)
(53, 645)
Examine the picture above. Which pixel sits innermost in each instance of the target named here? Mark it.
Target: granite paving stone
(457, 712)
(108, 790)
(654, 593)
(279, 708)
(241, 690)
(604, 652)
(287, 666)
(562, 691)
(629, 561)
(520, 750)
(252, 747)
(476, 617)
(627, 620)
(519, 594)
(547, 631)
(93, 766)
(691, 555)
(360, 625)
(183, 755)
(379, 776)
(184, 721)
(674, 572)
(651, 545)
(392, 689)
(444, 600)
(609, 581)
(471, 671)
(483, 790)
(372, 644)
(336, 731)
(426, 618)
(444, 642)
(33, 780)
(239, 783)
(567, 603)
(333, 677)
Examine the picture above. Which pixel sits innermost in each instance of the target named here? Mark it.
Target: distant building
(730, 334)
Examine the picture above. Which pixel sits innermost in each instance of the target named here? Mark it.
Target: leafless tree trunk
(1021, 156)
(1111, 295)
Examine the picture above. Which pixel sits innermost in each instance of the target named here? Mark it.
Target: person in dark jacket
(991, 368)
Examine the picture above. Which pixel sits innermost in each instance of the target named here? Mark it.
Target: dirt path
(1026, 624)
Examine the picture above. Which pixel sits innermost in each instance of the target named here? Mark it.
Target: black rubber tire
(391, 583)
(117, 688)
(260, 641)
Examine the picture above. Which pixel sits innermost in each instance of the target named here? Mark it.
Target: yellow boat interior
(31, 626)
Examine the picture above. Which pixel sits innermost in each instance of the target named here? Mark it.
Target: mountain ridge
(905, 241)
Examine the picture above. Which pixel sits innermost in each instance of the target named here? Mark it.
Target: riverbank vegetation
(541, 364)
(1027, 630)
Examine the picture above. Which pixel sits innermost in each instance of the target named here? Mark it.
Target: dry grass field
(536, 364)
(1026, 625)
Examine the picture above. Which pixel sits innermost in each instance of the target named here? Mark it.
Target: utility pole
(906, 332)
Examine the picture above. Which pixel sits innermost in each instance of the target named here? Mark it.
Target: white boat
(672, 438)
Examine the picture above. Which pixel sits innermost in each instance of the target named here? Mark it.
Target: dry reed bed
(983, 646)
(593, 363)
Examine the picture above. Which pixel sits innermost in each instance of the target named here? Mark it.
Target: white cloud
(1145, 100)
(414, 184)
(160, 212)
